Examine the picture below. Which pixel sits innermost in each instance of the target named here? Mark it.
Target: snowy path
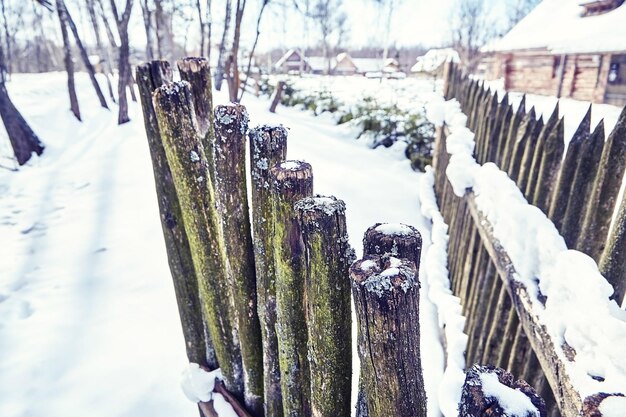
(88, 321)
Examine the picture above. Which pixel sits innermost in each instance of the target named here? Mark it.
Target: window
(614, 73)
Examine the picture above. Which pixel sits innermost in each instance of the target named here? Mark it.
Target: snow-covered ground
(88, 319)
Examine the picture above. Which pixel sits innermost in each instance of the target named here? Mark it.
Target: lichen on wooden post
(562, 189)
(150, 76)
(231, 126)
(487, 391)
(291, 181)
(268, 147)
(190, 172)
(396, 239)
(522, 174)
(386, 297)
(607, 184)
(328, 256)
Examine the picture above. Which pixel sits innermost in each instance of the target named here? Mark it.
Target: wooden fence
(577, 190)
(265, 294)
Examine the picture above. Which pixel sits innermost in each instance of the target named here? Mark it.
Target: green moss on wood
(230, 126)
(199, 349)
(327, 298)
(196, 194)
(268, 147)
(291, 181)
(532, 174)
(387, 309)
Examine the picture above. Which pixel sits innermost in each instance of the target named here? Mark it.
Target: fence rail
(578, 188)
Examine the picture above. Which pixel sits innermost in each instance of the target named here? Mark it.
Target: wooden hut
(567, 48)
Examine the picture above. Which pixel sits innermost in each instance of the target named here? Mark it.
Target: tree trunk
(234, 78)
(105, 54)
(23, 140)
(256, 40)
(219, 70)
(196, 194)
(69, 64)
(84, 56)
(291, 181)
(125, 77)
(147, 24)
(277, 95)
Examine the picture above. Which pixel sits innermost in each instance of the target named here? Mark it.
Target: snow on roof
(320, 63)
(434, 58)
(368, 64)
(559, 27)
(285, 57)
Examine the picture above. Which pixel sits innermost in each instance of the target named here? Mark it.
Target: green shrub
(379, 124)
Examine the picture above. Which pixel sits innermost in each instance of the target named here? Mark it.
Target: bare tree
(518, 10)
(125, 76)
(104, 53)
(470, 30)
(147, 13)
(69, 63)
(330, 21)
(23, 140)
(264, 3)
(219, 70)
(83, 54)
(232, 64)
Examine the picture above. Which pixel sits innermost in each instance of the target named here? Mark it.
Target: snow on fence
(532, 306)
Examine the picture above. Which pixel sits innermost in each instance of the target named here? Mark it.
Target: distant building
(567, 48)
(432, 62)
(294, 61)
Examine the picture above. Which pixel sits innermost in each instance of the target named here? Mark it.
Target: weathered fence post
(493, 391)
(328, 257)
(386, 298)
(231, 126)
(190, 172)
(613, 259)
(532, 174)
(605, 190)
(548, 168)
(581, 186)
(277, 96)
(291, 181)
(268, 147)
(150, 76)
(567, 172)
(197, 72)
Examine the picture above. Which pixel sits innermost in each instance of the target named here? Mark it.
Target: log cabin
(564, 48)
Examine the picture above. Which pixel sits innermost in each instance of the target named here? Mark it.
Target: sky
(414, 22)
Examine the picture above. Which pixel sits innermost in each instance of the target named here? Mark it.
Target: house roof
(434, 58)
(559, 27)
(289, 54)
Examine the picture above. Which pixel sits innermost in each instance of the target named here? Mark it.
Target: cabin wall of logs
(576, 186)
